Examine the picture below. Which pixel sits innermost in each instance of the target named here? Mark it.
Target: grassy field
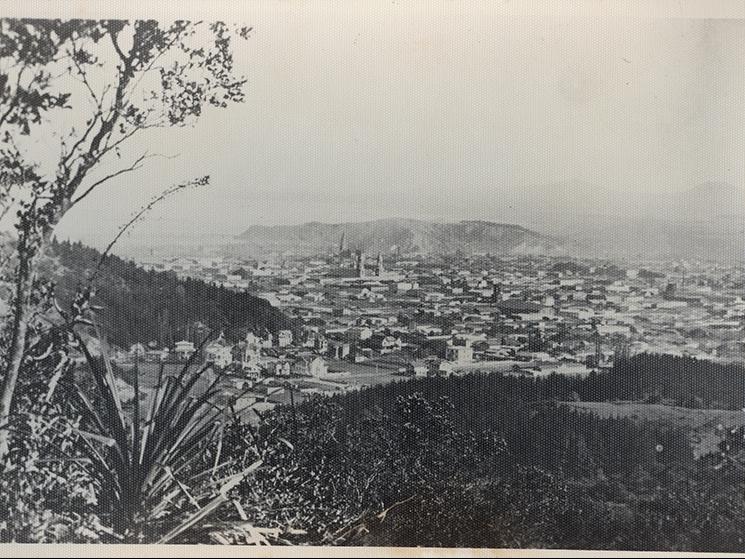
(700, 423)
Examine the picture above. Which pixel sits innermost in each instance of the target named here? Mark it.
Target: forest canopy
(143, 306)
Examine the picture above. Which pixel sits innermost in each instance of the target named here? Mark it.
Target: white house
(219, 354)
(282, 369)
(284, 338)
(314, 366)
(440, 368)
(389, 344)
(137, 350)
(251, 354)
(459, 354)
(317, 367)
(418, 368)
(184, 350)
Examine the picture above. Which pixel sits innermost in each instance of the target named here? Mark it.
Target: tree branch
(137, 164)
(14, 100)
(93, 154)
(84, 77)
(156, 57)
(115, 41)
(202, 181)
(80, 141)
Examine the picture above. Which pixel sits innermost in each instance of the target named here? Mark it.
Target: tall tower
(496, 292)
(343, 243)
(361, 264)
(379, 270)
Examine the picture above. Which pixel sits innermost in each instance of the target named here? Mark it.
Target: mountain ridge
(402, 235)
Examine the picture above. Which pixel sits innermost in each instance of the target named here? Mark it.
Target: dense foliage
(485, 460)
(654, 378)
(334, 481)
(685, 381)
(536, 430)
(143, 306)
(647, 378)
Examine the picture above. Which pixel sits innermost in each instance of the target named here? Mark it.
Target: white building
(459, 354)
(184, 350)
(311, 367)
(284, 338)
(219, 354)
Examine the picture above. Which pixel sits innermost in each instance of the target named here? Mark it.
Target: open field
(701, 423)
(368, 373)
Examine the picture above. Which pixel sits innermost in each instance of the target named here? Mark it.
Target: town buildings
(363, 320)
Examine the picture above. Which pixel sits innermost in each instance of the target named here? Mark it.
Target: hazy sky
(456, 112)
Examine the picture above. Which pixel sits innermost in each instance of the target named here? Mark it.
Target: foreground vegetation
(479, 460)
(465, 462)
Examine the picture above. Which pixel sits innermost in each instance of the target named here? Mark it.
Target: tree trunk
(17, 348)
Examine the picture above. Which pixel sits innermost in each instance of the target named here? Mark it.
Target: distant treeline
(650, 378)
(144, 306)
(683, 381)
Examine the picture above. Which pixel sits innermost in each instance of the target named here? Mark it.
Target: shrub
(156, 471)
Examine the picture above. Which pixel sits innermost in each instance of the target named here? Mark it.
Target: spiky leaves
(155, 471)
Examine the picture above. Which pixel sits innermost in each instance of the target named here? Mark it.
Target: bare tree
(120, 78)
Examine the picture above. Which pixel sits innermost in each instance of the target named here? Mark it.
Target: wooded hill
(143, 306)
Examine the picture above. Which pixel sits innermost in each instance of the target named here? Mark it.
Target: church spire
(343, 242)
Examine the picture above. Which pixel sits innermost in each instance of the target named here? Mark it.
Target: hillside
(405, 235)
(142, 306)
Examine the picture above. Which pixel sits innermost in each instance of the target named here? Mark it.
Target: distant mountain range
(563, 219)
(407, 236)
(710, 200)
(706, 222)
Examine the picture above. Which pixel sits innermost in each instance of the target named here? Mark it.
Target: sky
(443, 111)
